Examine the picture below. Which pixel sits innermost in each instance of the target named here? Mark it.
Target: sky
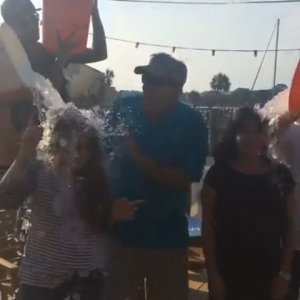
(230, 26)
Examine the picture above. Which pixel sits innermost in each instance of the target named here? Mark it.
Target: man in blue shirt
(163, 152)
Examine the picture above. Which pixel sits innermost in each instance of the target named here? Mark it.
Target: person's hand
(217, 287)
(284, 121)
(65, 48)
(124, 210)
(30, 140)
(280, 288)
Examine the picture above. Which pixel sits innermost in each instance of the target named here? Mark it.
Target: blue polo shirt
(177, 140)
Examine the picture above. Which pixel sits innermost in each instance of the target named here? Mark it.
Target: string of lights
(212, 50)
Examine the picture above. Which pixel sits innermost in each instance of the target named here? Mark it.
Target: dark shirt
(250, 216)
(41, 60)
(178, 140)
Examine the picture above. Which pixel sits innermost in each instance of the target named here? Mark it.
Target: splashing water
(48, 100)
(45, 96)
(277, 106)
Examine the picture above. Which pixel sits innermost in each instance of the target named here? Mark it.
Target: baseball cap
(164, 67)
(14, 9)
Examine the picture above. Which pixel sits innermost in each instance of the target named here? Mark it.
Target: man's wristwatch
(285, 275)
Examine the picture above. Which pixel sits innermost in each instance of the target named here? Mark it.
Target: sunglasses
(153, 80)
(28, 20)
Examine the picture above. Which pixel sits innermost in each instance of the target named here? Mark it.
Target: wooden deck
(198, 287)
(197, 275)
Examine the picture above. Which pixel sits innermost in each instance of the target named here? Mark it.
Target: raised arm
(188, 169)
(14, 185)
(283, 122)
(64, 57)
(99, 49)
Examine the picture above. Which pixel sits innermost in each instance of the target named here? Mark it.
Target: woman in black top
(248, 224)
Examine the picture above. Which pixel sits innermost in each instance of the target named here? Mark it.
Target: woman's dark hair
(61, 133)
(226, 150)
(95, 203)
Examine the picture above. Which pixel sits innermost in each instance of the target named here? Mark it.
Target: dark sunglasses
(28, 20)
(153, 80)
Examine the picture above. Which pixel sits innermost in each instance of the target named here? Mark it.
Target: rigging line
(264, 56)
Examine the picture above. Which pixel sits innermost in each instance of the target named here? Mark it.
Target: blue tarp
(195, 227)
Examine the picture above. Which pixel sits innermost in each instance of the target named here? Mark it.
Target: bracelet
(286, 276)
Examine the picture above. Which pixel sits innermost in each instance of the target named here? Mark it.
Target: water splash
(45, 96)
(49, 102)
(277, 106)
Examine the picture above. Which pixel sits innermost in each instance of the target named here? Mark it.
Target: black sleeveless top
(250, 213)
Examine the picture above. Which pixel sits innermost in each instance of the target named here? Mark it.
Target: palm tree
(109, 77)
(220, 83)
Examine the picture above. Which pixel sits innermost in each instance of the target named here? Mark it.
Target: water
(277, 106)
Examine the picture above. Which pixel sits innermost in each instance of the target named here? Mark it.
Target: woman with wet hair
(71, 206)
(248, 226)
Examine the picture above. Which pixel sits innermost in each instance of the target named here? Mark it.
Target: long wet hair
(59, 147)
(227, 149)
(92, 187)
